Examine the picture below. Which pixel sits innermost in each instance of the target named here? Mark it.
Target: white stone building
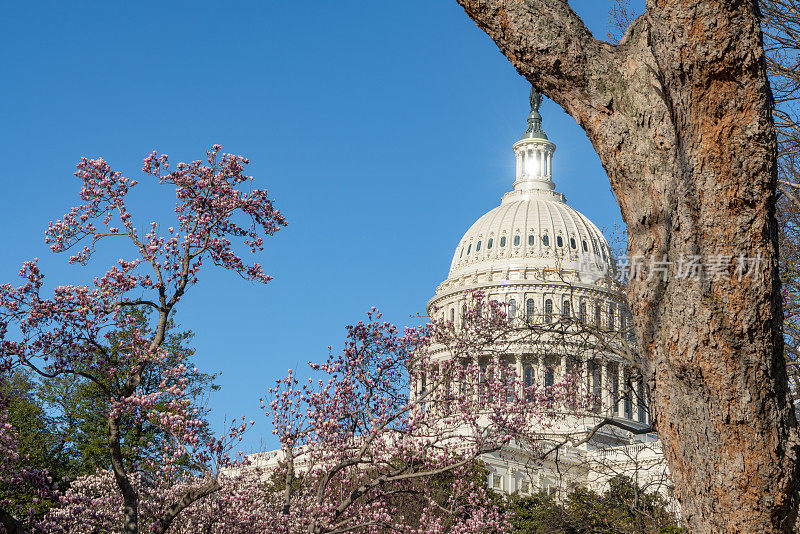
(548, 262)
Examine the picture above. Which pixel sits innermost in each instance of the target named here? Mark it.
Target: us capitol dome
(551, 266)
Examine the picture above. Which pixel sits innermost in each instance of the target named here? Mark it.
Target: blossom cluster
(88, 331)
(388, 418)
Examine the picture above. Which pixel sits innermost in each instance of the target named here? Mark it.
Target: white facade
(548, 262)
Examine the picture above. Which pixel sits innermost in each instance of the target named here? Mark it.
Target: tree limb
(11, 525)
(189, 496)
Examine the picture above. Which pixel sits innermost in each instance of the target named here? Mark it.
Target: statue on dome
(534, 130)
(536, 99)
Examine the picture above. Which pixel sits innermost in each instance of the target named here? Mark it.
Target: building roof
(533, 227)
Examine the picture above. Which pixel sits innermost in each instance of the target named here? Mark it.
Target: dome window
(462, 252)
(469, 249)
(572, 243)
(512, 309)
(545, 240)
(530, 239)
(489, 244)
(503, 241)
(559, 241)
(530, 309)
(516, 240)
(585, 247)
(478, 248)
(548, 311)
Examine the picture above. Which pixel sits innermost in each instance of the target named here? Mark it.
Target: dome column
(588, 373)
(605, 387)
(562, 368)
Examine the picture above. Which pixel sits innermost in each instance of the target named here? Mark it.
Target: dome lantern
(534, 152)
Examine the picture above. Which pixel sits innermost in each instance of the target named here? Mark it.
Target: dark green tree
(623, 509)
(38, 444)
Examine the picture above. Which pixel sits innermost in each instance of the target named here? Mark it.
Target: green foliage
(38, 441)
(61, 421)
(623, 509)
(538, 514)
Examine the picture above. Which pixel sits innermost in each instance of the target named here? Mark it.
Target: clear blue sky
(381, 129)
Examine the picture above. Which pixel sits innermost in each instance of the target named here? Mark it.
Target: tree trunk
(130, 498)
(680, 114)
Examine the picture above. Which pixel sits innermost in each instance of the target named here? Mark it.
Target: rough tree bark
(680, 115)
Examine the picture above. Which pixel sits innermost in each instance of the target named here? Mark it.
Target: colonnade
(610, 383)
(534, 162)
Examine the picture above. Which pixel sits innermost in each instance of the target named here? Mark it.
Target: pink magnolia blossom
(388, 421)
(384, 439)
(71, 331)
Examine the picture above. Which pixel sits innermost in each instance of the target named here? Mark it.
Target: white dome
(531, 229)
(546, 262)
(533, 237)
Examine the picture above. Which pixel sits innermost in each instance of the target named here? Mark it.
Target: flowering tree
(70, 332)
(393, 421)
(386, 439)
(93, 504)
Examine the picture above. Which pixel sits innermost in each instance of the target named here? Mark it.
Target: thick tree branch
(551, 47)
(681, 115)
(187, 499)
(589, 435)
(11, 525)
(546, 41)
